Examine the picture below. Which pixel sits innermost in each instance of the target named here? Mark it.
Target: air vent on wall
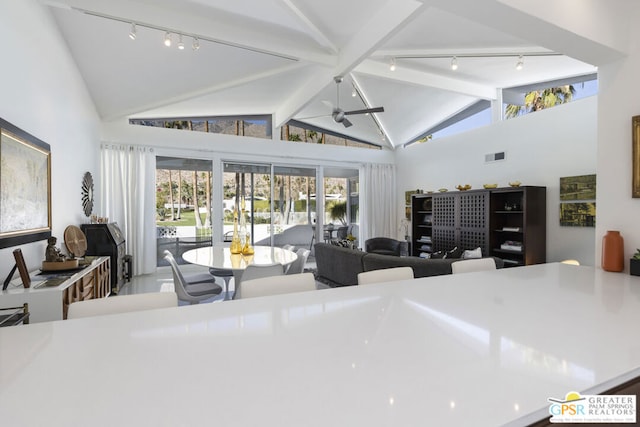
(494, 157)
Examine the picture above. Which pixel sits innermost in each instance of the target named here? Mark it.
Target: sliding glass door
(341, 204)
(183, 205)
(276, 198)
(253, 183)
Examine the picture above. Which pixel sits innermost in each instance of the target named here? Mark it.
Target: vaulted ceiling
(280, 57)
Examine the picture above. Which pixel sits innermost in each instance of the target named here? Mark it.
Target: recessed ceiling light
(132, 33)
(454, 63)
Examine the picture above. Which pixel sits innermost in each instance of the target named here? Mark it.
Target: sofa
(339, 266)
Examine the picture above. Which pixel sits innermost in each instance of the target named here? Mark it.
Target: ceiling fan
(338, 114)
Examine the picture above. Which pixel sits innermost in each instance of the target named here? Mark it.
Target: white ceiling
(279, 57)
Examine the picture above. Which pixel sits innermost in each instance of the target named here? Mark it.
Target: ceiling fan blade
(346, 122)
(365, 111)
(313, 117)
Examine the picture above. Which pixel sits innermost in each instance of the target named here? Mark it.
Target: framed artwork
(578, 214)
(581, 187)
(25, 187)
(635, 141)
(407, 196)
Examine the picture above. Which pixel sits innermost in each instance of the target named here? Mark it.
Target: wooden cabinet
(519, 225)
(509, 223)
(421, 224)
(107, 239)
(48, 303)
(461, 220)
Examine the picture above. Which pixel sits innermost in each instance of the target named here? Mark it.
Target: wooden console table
(48, 303)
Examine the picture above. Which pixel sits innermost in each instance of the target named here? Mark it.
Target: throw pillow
(454, 253)
(345, 243)
(470, 254)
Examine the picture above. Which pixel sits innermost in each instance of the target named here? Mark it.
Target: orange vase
(612, 251)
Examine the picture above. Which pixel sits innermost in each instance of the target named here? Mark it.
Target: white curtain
(378, 201)
(128, 197)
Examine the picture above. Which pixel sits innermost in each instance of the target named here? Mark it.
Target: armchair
(385, 246)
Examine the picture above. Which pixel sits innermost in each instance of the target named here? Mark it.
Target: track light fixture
(180, 42)
(132, 32)
(520, 63)
(197, 38)
(454, 63)
(392, 65)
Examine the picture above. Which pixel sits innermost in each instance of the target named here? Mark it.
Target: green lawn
(187, 218)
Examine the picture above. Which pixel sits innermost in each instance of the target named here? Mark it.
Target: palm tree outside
(540, 100)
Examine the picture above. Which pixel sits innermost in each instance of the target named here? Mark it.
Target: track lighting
(392, 65)
(353, 92)
(167, 39)
(196, 44)
(454, 63)
(180, 43)
(520, 63)
(132, 33)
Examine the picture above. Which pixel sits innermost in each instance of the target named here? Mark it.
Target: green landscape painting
(581, 187)
(578, 214)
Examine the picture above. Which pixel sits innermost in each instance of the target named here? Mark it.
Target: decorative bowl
(515, 183)
(442, 190)
(464, 187)
(490, 185)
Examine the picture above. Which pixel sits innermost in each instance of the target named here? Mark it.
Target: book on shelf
(511, 245)
(425, 239)
(511, 229)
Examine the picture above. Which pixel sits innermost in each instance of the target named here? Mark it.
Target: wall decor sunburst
(87, 193)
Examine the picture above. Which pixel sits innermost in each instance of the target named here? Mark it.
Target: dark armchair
(385, 246)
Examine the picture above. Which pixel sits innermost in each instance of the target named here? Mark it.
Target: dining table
(219, 257)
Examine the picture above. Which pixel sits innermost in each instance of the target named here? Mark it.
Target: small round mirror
(87, 194)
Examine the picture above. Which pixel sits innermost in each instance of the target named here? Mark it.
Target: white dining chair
(254, 271)
(470, 265)
(297, 266)
(192, 293)
(192, 278)
(385, 275)
(276, 285)
(121, 304)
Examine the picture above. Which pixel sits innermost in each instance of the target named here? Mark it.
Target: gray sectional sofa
(338, 266)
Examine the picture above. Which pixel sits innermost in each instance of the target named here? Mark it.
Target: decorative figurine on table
(236, 246)
(245, 236)
(54, 259)
(52, 253)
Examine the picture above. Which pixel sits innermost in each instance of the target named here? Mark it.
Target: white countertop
(480, 348)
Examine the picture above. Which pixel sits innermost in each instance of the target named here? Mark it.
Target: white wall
(617, 103)
(540, 148)
(231, 147)
(44, 95)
